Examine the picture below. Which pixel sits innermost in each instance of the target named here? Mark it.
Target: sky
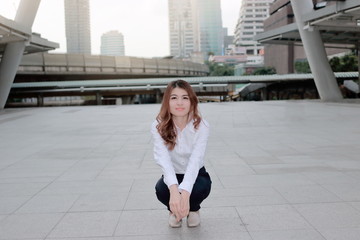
(144, 23)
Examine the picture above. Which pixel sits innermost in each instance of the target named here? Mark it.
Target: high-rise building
(112, 44)
(195, 26)
(181, 25)
(210, 26)
(228, 41)
(251, 22)
(77, 26)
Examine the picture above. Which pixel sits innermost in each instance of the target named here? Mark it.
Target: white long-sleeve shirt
(186, 158)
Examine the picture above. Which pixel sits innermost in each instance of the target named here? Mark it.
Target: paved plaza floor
(280, 169)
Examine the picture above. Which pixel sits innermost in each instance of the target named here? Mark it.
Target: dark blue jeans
(200, 191)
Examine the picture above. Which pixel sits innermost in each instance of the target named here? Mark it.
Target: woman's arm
(196, 158)
(162, 157)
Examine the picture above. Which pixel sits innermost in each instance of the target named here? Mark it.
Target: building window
(250, 52)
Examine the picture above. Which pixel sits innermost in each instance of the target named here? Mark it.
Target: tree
(220, 69)
(335, 64)
(264, 71)
(302, 66)
(347, 63)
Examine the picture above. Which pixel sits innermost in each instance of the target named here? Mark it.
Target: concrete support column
(26, 12)
(158, 96)
(264, 94)
(98, 98)
(13, 53)
(127, 100)
(8, 68)
(40, 101)
(358, 53)
(324, 77)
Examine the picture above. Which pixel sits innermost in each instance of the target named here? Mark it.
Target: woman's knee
(202, 187)
(162, 191)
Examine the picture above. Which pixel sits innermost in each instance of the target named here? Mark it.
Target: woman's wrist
(174, 188)
(185, 193)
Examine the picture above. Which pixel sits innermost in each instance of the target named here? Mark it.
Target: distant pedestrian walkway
(281, 170)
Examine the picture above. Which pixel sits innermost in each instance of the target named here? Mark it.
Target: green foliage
(302, 66)
(220, 69)
(264, 71)
(335, 64)
(347, 63)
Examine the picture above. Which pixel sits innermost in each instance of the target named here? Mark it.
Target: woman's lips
(180, 109)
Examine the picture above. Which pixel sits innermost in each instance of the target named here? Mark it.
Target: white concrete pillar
(324, 77)
(8, 68)
(26, 12)
(14, 51)
(98, 98)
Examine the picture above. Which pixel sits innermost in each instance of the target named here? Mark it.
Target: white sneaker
(172, 221)
(193, 219)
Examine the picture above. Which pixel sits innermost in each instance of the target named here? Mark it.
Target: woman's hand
(179, 203)
(185, 203)
(175, 202)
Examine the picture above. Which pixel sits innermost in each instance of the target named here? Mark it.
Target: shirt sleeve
(162, 157)
(196, 160)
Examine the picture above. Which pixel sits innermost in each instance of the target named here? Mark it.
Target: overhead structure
(337, 24)
(316, 29)
(17, 39)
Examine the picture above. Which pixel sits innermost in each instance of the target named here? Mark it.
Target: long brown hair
(166, 126)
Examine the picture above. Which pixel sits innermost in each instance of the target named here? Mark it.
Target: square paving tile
(99, 202)
(307, 234)
(27, 226)
(86, 224)
(330, 215)
(272, 217)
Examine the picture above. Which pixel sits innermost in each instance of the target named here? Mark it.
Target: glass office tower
(195, 26)
(210, 26)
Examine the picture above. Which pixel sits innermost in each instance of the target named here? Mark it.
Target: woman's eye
(172, 98)
(185, 98)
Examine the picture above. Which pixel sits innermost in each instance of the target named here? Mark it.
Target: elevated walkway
(280, 170)
(204, 86)
(55, 67)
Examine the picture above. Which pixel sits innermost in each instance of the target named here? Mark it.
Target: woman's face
(179, 102)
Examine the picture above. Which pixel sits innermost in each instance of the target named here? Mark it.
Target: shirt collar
(189, 126)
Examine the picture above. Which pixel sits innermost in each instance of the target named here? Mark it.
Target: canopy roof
(10, 31)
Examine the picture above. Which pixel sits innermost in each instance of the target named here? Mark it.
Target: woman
(180, 136)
